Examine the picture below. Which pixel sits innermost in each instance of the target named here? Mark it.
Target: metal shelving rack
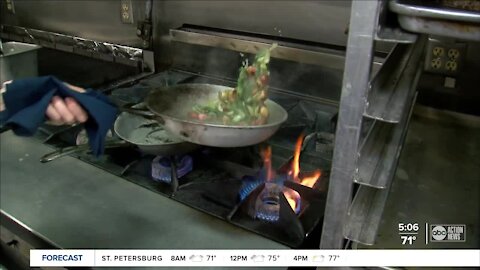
(374, 112)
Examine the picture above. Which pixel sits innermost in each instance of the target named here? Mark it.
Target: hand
(59, 111)
(66, 111)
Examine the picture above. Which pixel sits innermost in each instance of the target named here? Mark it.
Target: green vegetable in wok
(245, 104)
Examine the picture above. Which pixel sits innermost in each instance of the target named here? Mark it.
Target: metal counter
(76, 205)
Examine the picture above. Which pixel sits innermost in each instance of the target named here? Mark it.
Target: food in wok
(245, 104)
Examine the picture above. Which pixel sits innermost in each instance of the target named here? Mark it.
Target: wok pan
(149, 135)
(173, 104)
(132, 129)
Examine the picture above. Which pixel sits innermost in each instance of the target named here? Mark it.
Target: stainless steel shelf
(372, 125)
(381, 149)
(437, 20)
(330, 58)
(395, 35)
(360, 47)
(376, 156)
(411, 8)
(390, 34)
(389, 89)
(365, 214)
(390, 100)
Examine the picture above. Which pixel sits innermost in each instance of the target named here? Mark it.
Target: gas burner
(162, 168)
(249, 183)
(267, 205)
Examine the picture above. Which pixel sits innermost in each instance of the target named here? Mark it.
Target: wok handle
(77, 149)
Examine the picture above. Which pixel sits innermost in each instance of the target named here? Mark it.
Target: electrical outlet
(444, 57)
(453, 54)
(126, 13)
(451, 66)
(436, 63)
(438, 51)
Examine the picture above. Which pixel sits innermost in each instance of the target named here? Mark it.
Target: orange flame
(309, 179)
(267, 162)
(296, 158)
(292, 197)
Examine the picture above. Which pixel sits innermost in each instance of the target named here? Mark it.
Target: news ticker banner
(254, 258)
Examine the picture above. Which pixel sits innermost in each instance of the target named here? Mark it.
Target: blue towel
(26, 102)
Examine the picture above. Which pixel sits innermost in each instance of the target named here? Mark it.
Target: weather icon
(318, 258)
(258, 258)
(196, 258)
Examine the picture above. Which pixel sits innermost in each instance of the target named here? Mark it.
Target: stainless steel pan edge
(126, 122)
(163, 100)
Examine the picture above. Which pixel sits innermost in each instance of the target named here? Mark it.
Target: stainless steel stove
(226, 182)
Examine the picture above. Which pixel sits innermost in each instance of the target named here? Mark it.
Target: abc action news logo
(447, 233)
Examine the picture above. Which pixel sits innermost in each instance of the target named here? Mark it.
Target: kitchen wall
(97, 20)
(314, 21)
(317, 22)
(464, 96)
